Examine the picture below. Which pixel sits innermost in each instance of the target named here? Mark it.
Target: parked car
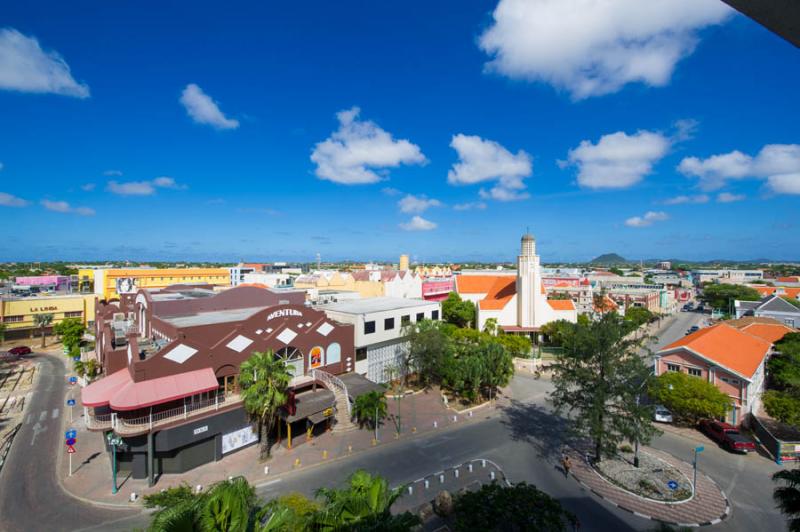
(662, 415)
(693, 328)
(727, 436)
(20, 350)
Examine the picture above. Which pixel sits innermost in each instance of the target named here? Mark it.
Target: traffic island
(654, 479)
(707, 506)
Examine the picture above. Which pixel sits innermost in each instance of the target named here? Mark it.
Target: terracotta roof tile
(770, 333)
(727, 346)
(478, 284)
(561, 304)
(500, 293)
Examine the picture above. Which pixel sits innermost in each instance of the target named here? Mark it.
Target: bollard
(456, 473)
(133, 496)
(266, 470)
(324, 455)
(396, 435)
(198, 488)
(410, 490)
(483, 463)
(491, 475)
(413, 430)
(296, 462)
(470, 413)
(349, 449)
(230, 477)
(374, 442)
(427, 483)
(470, 467)
(441, 478)
(455, 418)
(435, 424)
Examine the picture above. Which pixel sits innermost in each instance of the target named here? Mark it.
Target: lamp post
(113, 440)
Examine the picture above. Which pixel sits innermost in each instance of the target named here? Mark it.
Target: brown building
(171, 360)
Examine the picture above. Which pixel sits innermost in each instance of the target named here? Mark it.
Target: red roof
(561, 304)
(120, 392)
(500, 293)
(478, 284)
(726, 346)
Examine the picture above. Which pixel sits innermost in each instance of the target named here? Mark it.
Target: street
(524, 439)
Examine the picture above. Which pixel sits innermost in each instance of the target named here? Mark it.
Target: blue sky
(365, 129)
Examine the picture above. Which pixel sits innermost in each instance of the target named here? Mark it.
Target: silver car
(662, 415)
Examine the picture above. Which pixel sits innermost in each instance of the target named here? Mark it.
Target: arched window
(293, 358)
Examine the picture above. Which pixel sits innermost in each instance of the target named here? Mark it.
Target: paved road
(30, 497)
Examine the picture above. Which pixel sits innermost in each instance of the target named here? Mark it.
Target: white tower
(528, 282)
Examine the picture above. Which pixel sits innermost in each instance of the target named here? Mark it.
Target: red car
(727, 436)
(20, 350)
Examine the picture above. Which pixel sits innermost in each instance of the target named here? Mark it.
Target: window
(695, 372)
(388, 324)
(404, 320)
(12, 319)
(420, 316)
(673, 367)
(729, 381)
(435, 315)
(789, 322)
(369, 327)
(361, 354)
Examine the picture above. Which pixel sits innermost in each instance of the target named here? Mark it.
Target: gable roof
(792, 292)
(776, 303)
(500, 293)
(561, 304)
(769, 332)
(725, 346)
(478, 284)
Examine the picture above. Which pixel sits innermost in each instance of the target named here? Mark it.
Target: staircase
(344, 422)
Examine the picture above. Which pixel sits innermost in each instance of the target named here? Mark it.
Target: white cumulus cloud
(784, 183)
(482, 160)
(63, 206)
(418, 223)
(680, 200)
(595, 47)
(649, 218)
(8, 200)
(417, 204)
(470, 205)
(358, 150)
(618, 160)
(26, 67)
(772, 161)
(143, 188)
(203, 110)
(728, 197)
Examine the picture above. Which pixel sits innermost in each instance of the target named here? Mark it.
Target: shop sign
(200, 430)
(284, 313)
(238, 439)
(315, 356)
(43, 309)
(328, 412)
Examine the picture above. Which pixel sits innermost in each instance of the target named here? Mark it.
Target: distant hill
(608, 259)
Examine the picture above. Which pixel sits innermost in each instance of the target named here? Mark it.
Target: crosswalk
(43, 415)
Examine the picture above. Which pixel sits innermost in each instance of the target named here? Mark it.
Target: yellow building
(17, 313)
(110, 282)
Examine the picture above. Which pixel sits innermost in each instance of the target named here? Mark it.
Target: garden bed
(654, 479)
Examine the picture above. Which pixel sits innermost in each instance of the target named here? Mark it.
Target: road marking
(43, 415)
(55, 413)
(36, 430)
(28, 420)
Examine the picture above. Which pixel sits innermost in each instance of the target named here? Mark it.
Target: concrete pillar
(150, 460)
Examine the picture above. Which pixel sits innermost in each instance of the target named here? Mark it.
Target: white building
(378, 323)
(270, 280)
(517, 301)
(726, 276)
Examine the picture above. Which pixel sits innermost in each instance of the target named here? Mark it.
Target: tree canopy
(783, 402)
(457, 311)
(689, 398)
(71, 331)
(264, 380)
(721, 296)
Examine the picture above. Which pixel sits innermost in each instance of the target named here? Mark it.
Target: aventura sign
(284, 313)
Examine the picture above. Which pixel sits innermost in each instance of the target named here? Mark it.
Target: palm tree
(364, 504)
(264, 380)
(787, 496)
(370, 409)
(42, 321)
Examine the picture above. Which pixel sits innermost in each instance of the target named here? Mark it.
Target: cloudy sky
(666, 128)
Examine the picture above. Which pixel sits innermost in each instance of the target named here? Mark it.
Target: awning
(121, 393)
(310, 403)
(99, 393)
(358, 385)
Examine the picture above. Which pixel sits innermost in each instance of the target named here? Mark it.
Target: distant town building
(43, 283)
(772, 306)
(110, 283)
(726, 276)
(18, 313)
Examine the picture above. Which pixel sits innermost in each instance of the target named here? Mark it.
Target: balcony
(132, 426)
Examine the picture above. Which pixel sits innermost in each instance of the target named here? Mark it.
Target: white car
(662, 415)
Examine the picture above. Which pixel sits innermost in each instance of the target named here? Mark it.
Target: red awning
(99, 393)
(131, 395)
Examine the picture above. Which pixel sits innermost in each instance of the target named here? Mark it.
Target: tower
(528, 282)
(403, 263)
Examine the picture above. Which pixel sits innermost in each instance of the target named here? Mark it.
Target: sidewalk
(709, 505)
(421, 413)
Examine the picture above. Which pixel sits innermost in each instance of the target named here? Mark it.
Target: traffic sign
(73, 380)
(76, 358)
(672, 485)
(70, 402)
(699, 449)
(71, 450)
(71, 441)
(71, 433)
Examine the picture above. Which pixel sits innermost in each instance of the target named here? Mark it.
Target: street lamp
(113, 441)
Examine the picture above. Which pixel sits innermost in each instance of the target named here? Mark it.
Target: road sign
(71, 433)
(70, 402)
(672, 485)
(71, 441)
(76, 358)
(71, 450)
(699, 449)
(73, 380)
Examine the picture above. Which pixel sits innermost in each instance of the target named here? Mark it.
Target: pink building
(45, 282)
(437, 289)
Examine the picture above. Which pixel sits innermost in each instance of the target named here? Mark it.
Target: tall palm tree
(370, 409)
(264, 380)
(41, 321)
(787, 496)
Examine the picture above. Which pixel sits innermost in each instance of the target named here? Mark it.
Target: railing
(144, 423)
(332, 382)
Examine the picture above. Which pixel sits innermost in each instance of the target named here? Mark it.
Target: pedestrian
(566, 464)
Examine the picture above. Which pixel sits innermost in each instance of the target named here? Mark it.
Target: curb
(651, 518)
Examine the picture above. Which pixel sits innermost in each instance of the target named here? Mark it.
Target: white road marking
(36, 430)
(55, 413)
(28, 420)
(43, 415)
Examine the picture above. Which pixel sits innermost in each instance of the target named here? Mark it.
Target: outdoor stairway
(344, 422)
